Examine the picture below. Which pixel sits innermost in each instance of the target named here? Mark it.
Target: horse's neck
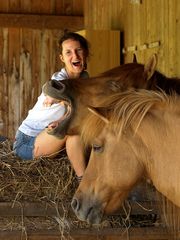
(90, 90)
(86, 85)
(163, 166)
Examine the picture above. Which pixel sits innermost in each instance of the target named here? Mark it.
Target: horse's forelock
(131, 107)
(86, 128)
(124, 109)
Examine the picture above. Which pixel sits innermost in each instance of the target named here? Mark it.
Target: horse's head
(112, 171)
(80, 93)
(115, 165)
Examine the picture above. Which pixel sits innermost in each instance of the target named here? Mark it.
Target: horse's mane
(124, 110)
(131, 107)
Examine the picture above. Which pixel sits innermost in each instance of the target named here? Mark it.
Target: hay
(36, 180)
(50, 181)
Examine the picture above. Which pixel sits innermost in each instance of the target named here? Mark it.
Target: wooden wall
(29, 31)
(104, 50)
(147, 26)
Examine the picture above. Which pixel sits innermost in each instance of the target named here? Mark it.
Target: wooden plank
(105, 48)
(4, 6)
(78, 7)
(35, 209)
(14, 6)
(45, 56)
(89, 234)
(13, 81)
(177, 57)
(65, 7)
(25, 72)
(98, 14)
(42, 21)
(26, 6)
(42, 6)
(172, 38)
(3, 82)
(28, 209)
(36, 63)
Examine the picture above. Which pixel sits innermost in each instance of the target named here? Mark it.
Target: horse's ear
(150, 67)
(97, 112)
(134, 58)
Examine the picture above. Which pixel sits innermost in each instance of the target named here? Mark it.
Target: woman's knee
(47, 145)
(74, 147)
(74, 140)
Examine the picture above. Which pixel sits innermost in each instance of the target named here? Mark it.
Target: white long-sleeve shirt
(40, 116)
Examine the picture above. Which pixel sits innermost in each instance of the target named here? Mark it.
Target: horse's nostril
(75, 204)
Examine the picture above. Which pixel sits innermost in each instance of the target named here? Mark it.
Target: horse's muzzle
(87, 211)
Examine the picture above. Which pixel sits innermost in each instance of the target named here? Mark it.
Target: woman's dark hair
(77, 37)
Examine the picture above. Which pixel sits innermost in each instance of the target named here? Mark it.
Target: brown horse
(80, 93)
(135, 135)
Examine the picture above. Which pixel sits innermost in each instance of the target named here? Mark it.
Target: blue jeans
(23, 146)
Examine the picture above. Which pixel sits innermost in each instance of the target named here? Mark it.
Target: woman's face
(73, 56)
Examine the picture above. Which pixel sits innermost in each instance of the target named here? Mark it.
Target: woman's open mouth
(77, 64)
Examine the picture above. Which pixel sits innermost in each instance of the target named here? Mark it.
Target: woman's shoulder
(60, 75)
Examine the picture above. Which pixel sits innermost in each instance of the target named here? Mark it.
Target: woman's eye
(68, 53)
(97, 148)
(80, 50)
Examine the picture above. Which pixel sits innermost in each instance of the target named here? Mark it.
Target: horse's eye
(97, 148)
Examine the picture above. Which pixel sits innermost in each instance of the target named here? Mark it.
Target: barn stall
(34, 194)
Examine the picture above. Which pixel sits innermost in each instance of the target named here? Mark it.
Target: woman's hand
(53, 125)
(49, 101)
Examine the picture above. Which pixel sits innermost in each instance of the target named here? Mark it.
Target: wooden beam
(36, 209)
(73, 23)
(148, 233)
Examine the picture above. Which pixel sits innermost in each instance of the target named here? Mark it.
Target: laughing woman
(32, 140)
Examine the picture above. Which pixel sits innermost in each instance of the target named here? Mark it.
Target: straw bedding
(50, 181)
